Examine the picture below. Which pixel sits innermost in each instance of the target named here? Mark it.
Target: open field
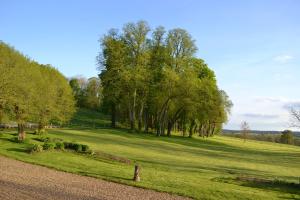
(198, 168)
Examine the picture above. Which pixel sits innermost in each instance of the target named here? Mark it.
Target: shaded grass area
(85, 118)
(194, 167)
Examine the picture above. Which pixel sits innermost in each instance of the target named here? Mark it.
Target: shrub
(48, 146)
(78, 147)
(85, 147)
(36, 148)
(60, 146)
(69, 145)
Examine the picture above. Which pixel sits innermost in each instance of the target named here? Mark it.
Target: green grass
(194, 167)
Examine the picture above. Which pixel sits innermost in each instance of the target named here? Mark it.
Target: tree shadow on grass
(192, 146)
(276, 185)
(104, 177)
(281, 186)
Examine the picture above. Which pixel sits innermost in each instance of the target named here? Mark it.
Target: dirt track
(24, 181)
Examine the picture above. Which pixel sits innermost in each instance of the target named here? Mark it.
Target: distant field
(194, 167)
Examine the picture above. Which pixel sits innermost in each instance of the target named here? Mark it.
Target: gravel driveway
(24, 181)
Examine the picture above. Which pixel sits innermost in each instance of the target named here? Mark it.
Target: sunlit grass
(186, 166)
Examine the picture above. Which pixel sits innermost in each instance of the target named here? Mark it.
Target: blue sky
(253, 45)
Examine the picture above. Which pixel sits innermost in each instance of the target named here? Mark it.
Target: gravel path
(25, 181)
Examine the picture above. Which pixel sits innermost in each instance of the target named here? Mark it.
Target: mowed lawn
(195, 167)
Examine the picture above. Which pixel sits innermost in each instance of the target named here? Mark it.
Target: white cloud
(263, 112)
(260, 116)
(283, 58)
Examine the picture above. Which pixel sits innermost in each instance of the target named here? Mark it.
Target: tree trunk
(146, 121)
(140, 122)
(132, 113)
(191, 129)
(170, 125)
(41, 127)
(21, 132)
(136, 176)
(113, 115)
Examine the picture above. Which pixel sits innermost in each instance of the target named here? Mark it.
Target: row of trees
(30, 92)
(153, 80)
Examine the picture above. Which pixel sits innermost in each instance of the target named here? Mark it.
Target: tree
(93, 93)
(158, 82)
(287, 137)
(79, 85)
(31, 92)
(245, 130)
(295, 114)
(112, 61)
(135, 38)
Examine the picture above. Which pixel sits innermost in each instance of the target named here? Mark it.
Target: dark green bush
(59, 145)
(48, 146)
(36, 148)
(69, 145)
(77, 147)
(85, 147)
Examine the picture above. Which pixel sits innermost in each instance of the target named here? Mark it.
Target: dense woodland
(31, 92)
(152, 80)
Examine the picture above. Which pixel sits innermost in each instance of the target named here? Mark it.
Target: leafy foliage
(158, 84)
(31, 92)
(48, 146)
(36, 148)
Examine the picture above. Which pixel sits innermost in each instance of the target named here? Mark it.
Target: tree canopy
(152, 80)
(30, 92)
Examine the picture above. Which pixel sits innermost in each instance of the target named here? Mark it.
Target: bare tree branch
(295, 114)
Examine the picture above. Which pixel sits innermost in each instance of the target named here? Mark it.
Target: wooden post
(136, 176)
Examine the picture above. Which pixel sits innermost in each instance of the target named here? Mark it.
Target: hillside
(214, 168)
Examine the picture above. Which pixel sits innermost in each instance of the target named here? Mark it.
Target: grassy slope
(196, 167)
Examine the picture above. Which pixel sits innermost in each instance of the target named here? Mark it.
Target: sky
(252, 45)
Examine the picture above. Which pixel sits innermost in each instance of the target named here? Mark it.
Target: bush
(69, 145)
(60, 146)
(48, 146)
(77, 147)
(85, 147)
(36, 148)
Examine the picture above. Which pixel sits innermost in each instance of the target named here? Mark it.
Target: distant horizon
(253, 47)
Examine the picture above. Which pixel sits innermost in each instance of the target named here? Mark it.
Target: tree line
(153, 81)
(31, 92)
(87, 92)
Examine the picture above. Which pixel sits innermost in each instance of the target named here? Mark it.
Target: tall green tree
(31, 92)
(156, 79)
